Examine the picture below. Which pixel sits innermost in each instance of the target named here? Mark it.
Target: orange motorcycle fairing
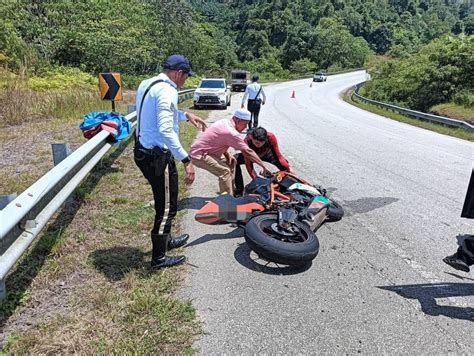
(228, 209)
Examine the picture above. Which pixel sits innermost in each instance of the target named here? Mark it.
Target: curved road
(378, 283)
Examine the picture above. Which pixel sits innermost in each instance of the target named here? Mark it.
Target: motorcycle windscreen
(228, 209)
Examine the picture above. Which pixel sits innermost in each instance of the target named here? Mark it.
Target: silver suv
(212, 92)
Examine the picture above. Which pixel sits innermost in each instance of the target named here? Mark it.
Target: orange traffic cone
(293, 94)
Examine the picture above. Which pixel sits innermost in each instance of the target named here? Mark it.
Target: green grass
(445, 130)
(455, 111)
(42, 256)
(99, 248)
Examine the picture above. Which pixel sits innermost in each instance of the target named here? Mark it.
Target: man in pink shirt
(210, 150)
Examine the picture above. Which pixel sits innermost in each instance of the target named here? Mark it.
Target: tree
(469, 25)
(334, 45)
(13, 50)
(381, 39)
(254, 44)
(434, 75)
(458, 27)
(297, 44)
(302, 66)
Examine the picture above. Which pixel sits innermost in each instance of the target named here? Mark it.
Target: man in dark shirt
(265, 145)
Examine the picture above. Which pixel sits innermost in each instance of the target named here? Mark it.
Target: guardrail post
(6, 199)
(3, 290)
(131, 108)
(60, 152)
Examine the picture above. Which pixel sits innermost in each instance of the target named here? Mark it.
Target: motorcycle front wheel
(294, 247)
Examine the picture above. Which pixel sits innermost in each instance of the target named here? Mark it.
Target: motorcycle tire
(275, 250)
(335, 212)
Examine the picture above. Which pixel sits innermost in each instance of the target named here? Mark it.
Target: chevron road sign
(110, 85)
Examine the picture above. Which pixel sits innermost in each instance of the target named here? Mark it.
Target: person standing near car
(157, 145)
(256, 97)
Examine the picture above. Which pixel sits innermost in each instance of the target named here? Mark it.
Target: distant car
(212, 92)
(319, 77)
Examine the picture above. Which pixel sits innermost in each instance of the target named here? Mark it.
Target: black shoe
(456, 262)
(178, 242)
(167, 261)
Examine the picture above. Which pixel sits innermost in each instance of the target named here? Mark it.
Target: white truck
(239, 79)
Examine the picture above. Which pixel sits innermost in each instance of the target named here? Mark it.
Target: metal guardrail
(186, 94)
(418, 114)
(24, 217)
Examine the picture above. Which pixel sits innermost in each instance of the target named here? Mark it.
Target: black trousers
(468, 208)
(152, 164)
(466, 250)
(467, 247)
(239, 180)
(254, 111)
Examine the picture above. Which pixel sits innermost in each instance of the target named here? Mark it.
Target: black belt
(155, 151)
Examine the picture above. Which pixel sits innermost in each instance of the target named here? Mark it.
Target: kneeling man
(265, 145)
(210, 150)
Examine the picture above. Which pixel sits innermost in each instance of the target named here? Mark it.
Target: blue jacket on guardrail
(94, 122)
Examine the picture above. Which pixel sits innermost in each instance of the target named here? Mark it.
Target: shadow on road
(194, 203)
(237, 232)
(427, 294)
(247, 258)
(364, 205)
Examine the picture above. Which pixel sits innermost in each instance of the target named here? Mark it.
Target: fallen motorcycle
(280, 214)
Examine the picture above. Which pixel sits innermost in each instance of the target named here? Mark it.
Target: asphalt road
(378, 283)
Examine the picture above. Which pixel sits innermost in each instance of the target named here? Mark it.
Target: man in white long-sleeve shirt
(157, 145)
(256, 97)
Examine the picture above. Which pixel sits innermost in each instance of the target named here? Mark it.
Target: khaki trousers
(219, 168)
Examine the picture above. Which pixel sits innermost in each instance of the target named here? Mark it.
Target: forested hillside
(276, 38)
(334, 32)
(441, 72)
(133, 36)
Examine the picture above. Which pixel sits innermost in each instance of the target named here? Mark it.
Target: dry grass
(25, 105)
(26, 135)
(85, 285)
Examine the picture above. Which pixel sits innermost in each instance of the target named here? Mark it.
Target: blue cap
(178, 62)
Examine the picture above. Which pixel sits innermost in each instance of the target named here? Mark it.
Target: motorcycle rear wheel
(294, 249)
